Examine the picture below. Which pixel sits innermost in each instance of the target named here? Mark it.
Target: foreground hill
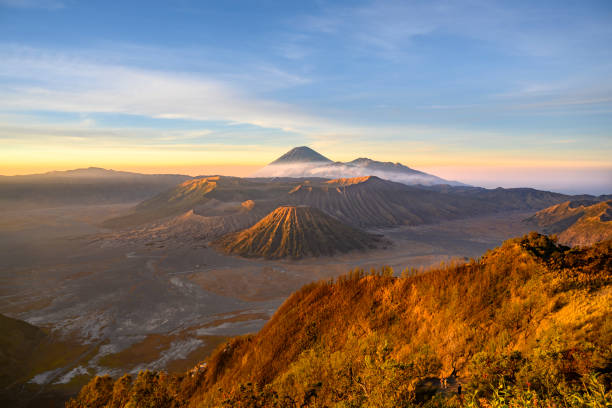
(296, 232)
(27, 351)
(577, 222)
(528, 323)
(17, 341)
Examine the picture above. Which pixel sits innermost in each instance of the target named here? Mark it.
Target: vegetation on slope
(296, 232)
(527, 325)
(577, 222)
(17, 341)
(27, 351)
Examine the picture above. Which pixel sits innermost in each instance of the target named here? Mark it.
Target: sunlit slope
(530, 313)
(296, 232)
(577, 222)
(515, 297)
(216, 195)
(367, 202)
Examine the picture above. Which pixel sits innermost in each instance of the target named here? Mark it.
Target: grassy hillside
(529, 324)
(27, 351)
(17, 341)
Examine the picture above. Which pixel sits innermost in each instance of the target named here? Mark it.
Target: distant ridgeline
(304, 162)
(528, 324)
(89, 186)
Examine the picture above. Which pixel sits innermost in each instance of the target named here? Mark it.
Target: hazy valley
(118, 285)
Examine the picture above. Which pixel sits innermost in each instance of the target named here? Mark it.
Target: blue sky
(491, 93)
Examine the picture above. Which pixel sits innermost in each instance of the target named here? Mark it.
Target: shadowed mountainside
(82, 187)
(296, 232)
(528, 320)
(374, 202)
(577, 222)
(26, 351)
(17, 341)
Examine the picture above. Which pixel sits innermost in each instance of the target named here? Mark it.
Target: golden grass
(530, 312)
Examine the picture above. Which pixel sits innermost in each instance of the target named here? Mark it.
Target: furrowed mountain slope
(374, 202)
(187, 228)
(208, 196)
(296, 232)
(530, 315)
(577, 222)
(363, 202)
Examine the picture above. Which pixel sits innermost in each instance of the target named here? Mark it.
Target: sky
(490, 93)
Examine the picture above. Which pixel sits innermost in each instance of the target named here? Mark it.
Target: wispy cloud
(391, 26)
(59, 82)
(33, 4)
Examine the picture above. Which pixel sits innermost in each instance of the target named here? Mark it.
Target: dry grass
(529, 311)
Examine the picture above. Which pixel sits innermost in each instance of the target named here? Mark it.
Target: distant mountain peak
(301, 154)
(303, 162)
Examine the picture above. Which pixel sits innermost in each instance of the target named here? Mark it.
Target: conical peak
(295, 232)
(301, 154)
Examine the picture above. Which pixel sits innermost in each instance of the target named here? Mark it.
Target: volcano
(297, 232)
(301, 162)
(302, 154)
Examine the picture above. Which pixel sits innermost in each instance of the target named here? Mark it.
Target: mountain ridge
(363, 202)
(577, 222)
